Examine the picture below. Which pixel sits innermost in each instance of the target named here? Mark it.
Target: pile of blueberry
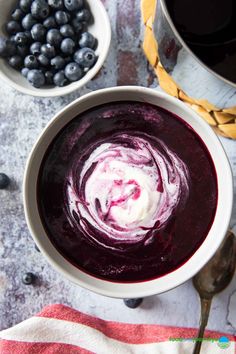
(49, 42)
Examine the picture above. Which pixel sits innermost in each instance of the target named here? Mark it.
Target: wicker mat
(222, 121)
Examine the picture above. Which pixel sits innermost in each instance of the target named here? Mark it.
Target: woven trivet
(222, 121)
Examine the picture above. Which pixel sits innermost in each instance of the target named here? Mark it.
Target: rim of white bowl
(200, 257)
(65, 90)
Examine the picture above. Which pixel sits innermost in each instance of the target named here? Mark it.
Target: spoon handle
(205, 310)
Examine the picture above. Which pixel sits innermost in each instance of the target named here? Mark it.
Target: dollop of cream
(126, 189)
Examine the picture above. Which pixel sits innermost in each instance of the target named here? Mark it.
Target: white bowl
(204, 252)
(100, 28)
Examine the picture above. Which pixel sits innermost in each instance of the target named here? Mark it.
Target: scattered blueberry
(54, 37)
(15, 61)
(4, 181)
(62, 17)
(56, 4)
(40, 9)
(133, 303)
(22, 50)
(59, 79)
(24, 72)
(67, 46)
(28, 22)
(58, 62)
(72, 5)
(87, 40)
(73, 72)
(48, 50)
(67, 31)
(17, 15)
(83, 15)
(7, 47)
(38, 32)
(31, 62)
(50, 22)
(43, 60)
(28, 278)
(21, 38)
(35, 48)
(25, 5)
(78, 26)
(85, 57)
(49, 77)
(36, 78)
(12, 27)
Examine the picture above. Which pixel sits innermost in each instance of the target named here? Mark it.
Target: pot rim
(186, 47)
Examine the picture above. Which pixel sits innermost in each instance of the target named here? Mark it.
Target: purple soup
(127, 191)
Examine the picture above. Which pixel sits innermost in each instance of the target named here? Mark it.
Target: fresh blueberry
(4, 181)
(67, 31)
(58, 62)
(83, 15)
(133, 303)
(48, 50)
(40, 9)
(43, 60)
(12, 38)
(85, 57)
(28, 35)
(25, 5)
(62, 17)
(67, 59)
(87, 40)
(21, 38)
(77, 25)
(15, 61)
(17, 15)
(67, 46)
(7, 47)
(12, 27)
(22, 50)
(54, 37)
(11, 48)
(31, 62)
(38, 32)
(28, 22)
(59, 79)
(28, 278)
(24, 72)
(56, 4)
(35, 48)
(49, 77)
(73, 72)
(50, 22)
(72, 5)
(36, 78)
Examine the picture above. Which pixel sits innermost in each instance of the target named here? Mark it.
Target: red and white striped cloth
(59, 329)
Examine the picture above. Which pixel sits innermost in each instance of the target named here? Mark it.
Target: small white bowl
(100, 28)
(204, 252)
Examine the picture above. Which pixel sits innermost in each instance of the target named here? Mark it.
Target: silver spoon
(213, 278)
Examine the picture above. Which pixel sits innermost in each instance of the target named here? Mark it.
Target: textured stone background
(21, 120)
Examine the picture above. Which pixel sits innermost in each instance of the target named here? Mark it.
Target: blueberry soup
(127, 191)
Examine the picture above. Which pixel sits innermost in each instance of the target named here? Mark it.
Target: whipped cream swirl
(125, 190)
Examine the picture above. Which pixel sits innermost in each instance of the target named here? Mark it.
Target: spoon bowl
(214, 277)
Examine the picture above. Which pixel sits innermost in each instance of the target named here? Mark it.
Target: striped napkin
(59, 329)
